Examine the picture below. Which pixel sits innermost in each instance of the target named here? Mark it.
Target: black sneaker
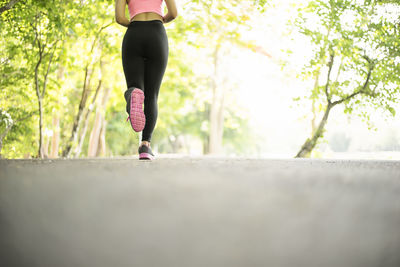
(145, 153)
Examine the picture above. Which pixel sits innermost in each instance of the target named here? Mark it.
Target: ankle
(146, 143)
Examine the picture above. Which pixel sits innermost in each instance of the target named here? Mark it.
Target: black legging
(144, 59)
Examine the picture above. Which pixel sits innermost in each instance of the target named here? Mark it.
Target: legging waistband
(145, 22)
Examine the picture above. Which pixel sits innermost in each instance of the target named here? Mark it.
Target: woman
(144, 59)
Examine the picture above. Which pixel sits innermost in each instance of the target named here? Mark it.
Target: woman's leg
(155, 66)
(132, 62)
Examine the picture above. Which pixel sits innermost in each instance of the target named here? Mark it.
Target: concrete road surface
(199, 212)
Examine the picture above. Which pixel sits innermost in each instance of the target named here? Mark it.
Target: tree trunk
(313, 120)
(206, 136)
(216, 112)
(313, 108)
(94, 135)
(78, 149)
(101, 151)
(38, 94)
(45, 147)
(221, 116)
(309, 145)
(8, 6)
(55, 139)
(86, 121)
(77, 120)
(98, 127)
(40, 150)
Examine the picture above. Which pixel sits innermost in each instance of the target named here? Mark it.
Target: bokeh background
(256, 78)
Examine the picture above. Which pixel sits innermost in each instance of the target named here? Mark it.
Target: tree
(86, 89)
(39, 26)
(359, 43)
(215, 26)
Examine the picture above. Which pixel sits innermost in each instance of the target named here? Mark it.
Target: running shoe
(145, 153)
(136, 114)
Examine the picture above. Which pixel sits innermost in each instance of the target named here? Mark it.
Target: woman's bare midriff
(147, 16)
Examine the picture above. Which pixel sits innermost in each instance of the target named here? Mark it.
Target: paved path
(199, 212)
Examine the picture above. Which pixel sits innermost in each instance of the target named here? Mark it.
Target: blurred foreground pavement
(199, 212)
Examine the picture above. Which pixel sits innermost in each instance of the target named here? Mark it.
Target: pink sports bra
(139, 6)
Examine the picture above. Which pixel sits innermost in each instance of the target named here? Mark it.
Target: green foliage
(83, 37)
(360, 36)
(356, 53)
(355, 56)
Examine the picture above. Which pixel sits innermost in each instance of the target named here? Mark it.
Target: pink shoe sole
(137, 117)
(146, 156)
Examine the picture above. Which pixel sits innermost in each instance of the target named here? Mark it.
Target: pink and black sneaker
(136, 114)
(145, 153)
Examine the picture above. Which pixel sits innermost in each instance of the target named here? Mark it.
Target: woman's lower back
(147, 16)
